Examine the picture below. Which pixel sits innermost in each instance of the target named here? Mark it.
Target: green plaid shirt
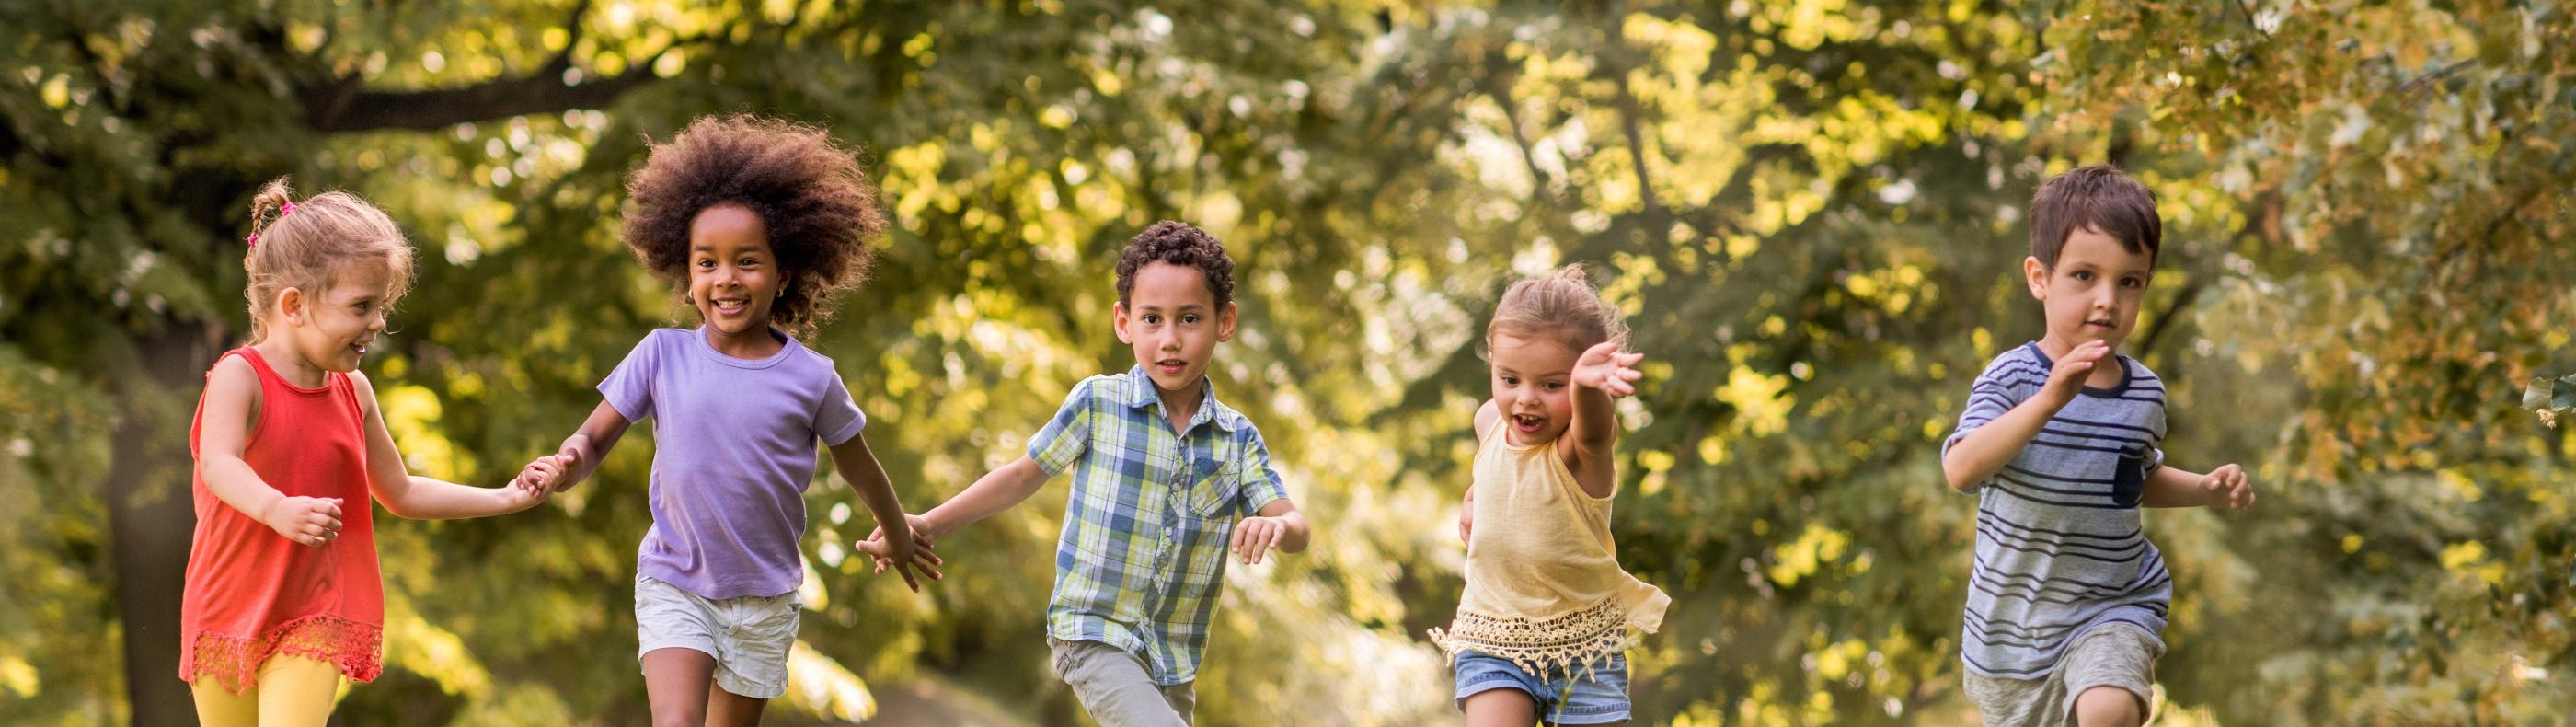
(1145, 530)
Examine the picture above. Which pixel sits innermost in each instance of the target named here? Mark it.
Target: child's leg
(728, 708)
(1495, 692)
(2107, 707)
(1184, 698)
(676, 681)
(297, 691)
(712, 661)
(1112, 685)
(219, 708)
(1501, 708)
(2107, 674)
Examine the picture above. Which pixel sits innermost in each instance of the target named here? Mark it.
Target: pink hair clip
(286, 209)
(254, 239)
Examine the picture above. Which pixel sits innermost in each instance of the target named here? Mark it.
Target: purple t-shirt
(733, 449)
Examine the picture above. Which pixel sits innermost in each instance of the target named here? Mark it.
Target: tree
(1810, 211)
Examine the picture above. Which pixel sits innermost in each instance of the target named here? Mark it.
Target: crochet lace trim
(233, 661)
(1560, 643)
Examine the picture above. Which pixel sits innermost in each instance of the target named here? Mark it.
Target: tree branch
(345, 104)
(1629, 125)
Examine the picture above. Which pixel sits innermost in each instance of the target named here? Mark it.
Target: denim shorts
(1596, 694)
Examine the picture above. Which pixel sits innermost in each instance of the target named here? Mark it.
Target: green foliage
(1811, 211)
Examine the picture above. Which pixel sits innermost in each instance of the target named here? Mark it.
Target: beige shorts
(2111, 655)
(748, 636)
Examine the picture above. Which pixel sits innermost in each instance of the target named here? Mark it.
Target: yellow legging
(292, 691)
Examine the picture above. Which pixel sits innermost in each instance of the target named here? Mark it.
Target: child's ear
(1225, 323)
(1119, 323)
(2035, 273)
(290, 304)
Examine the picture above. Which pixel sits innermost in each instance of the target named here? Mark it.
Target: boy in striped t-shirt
(2067, 598)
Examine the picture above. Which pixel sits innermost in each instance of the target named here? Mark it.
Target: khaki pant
(1115, 689)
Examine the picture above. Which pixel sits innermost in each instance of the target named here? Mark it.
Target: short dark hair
(1177, 243)
(818, 206)
(2099, 197)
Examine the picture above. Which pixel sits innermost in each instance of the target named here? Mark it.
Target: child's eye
(2083, 275)
(1554, 385)
(748, 262)
(2133, 282)
(1191, 318)
(1511, 381)
(706, 263)
(1152, 318)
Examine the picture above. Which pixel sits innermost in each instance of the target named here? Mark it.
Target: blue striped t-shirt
(2059, 547)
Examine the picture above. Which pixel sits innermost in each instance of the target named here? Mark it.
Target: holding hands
(906, 554)
(534, 482)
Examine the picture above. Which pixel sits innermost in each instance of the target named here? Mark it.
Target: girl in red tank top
(283, 594)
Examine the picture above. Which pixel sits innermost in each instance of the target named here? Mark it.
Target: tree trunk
(150, 516)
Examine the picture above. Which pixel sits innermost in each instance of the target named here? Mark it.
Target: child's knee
(2107, 706)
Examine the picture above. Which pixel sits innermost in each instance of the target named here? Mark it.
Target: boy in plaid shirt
(1166, 480)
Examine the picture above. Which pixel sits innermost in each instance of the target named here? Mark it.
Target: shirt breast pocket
(1213, 490)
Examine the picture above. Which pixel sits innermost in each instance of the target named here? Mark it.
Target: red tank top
(252, 593)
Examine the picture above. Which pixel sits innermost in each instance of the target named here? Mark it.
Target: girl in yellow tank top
(1548, 613)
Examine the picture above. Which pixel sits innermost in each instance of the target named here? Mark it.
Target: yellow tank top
(1544, 586)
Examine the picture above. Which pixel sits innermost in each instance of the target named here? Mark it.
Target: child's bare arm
(1601, 375)
(2224, 488)
(1986, 450)
(582, 452)
(231, 409)
(426, 498)
(898, 545)
(996, 491)
(1486, 416)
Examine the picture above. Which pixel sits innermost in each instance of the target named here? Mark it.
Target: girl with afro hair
(757, 224)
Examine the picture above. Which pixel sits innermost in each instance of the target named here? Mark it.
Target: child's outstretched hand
(1256, 535)
(2068, 376)
(1604, 367)
(313, 521)
(919, 557)
(2228, 489)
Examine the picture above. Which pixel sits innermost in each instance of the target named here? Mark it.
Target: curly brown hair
(819, 207)
(1178, 243)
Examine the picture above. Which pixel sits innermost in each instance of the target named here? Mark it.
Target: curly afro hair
(1181, 244)
(819, 208)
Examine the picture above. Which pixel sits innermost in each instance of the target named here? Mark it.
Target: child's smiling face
(733, 273)
(331, 327)
(2093, 293)
(1533, 386)
(1172, 320)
